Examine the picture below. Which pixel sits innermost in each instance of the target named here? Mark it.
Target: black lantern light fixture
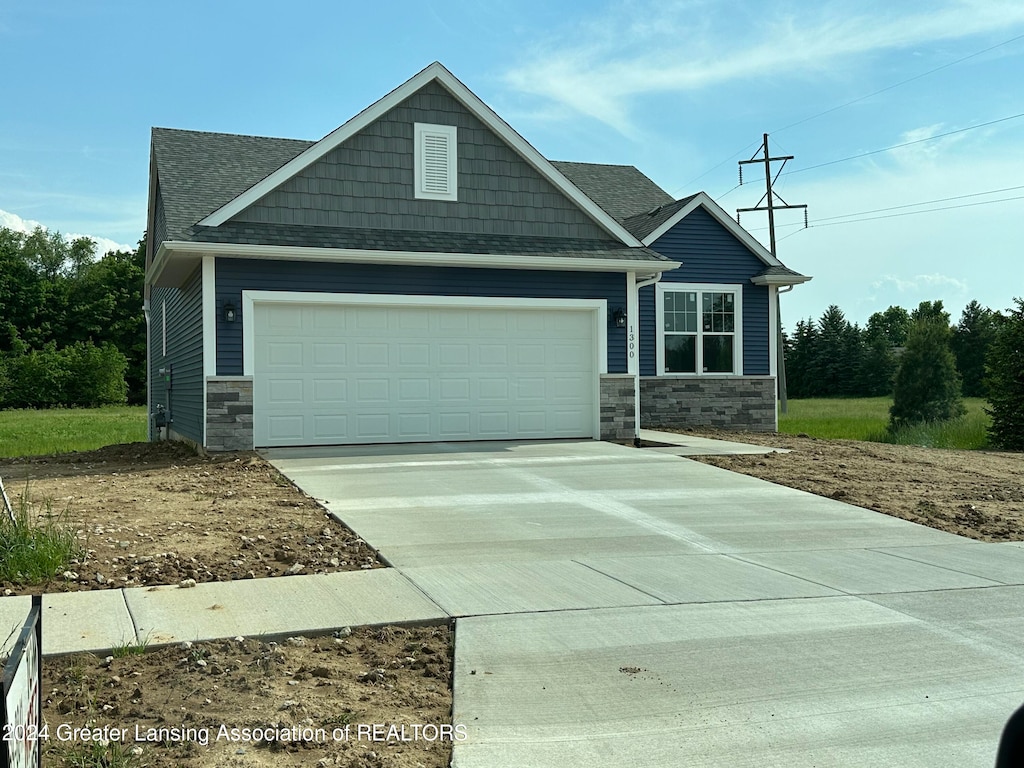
(229, 313)
(619, 316)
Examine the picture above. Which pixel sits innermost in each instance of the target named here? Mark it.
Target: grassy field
(33, 433)
(866, 418)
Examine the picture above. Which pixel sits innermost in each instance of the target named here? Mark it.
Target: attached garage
(330, 369)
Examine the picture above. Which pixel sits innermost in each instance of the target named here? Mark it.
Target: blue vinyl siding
(184, 402)
(710, 254)
(236, 275)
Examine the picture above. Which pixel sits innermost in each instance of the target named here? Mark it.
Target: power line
(908, 143)
(897, 85)
(830, 221)
(849, 103)
(923, 202)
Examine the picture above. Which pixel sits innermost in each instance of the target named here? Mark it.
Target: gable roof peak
(431, 73)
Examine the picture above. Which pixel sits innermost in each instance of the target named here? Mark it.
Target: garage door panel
(332, 427)
(494, 423)
(373, 391)
(455, 425)
(413, 390)
(329, 354)
(285, 428)
(454, 389)
(373, 426)
(284, 354)
(494, 389)
(414, 354)
(330, 391)
(341, 373)
(370, 355)
(285, 391)
(453, 355)
(414, 425)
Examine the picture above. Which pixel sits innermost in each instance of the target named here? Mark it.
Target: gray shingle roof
(621, 190)
(420, 242)
(779, 271)
(199, 171)
(641, 225)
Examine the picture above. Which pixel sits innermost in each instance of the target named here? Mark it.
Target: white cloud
(685, 46)
(919, 283)
(18, 224)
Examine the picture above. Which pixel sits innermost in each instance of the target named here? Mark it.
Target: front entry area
(355, 369)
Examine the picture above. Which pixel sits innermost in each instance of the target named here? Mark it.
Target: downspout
(781, 353)
(633, 287)
(149, 370)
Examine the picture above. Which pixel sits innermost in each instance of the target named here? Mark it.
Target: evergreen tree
(801, 377)
(927, 386)
(835, 364)
(972, 337)
(1005, 382)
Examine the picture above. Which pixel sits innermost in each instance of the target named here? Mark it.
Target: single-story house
(422, 273)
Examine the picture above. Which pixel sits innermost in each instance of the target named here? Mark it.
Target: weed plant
(35, 544)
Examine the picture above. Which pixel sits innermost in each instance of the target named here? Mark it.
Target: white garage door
(328, 374)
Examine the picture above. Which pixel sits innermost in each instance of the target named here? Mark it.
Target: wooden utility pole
(768, 203)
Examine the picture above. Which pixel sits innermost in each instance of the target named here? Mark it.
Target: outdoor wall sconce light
(620, 317)
(229, 313)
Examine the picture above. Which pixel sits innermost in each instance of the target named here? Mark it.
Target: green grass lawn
(866, 418)
(60, 430)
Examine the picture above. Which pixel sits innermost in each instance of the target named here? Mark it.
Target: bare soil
(978, 494)
(151, 514)
(375, 697)
(158, 513)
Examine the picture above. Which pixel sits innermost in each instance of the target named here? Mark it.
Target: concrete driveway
(624, 606)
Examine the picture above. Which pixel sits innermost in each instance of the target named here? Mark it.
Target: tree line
(920, 358)
(72, 327)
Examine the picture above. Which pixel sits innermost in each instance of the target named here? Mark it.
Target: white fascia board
(701, 199)
(404, 258)
(472, 102)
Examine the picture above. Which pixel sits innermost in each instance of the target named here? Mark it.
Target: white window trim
(422, 132)
(737, 350)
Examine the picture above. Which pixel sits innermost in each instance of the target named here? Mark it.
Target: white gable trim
(472, 102)
(701, 199)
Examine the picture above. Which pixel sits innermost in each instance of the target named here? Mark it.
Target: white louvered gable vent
(436, 162)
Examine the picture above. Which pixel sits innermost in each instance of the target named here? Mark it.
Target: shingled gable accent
(434, 72)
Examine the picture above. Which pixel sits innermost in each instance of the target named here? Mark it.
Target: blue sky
(682, 90)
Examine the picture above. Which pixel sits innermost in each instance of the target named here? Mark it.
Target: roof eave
(780, 280)
(175, 260)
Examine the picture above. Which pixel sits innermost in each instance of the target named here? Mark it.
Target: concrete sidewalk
(77, 622)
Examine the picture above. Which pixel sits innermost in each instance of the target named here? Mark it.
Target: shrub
(79, 375)
(927, 386)
(1005, 382)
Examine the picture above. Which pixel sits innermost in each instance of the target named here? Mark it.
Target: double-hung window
(699, 329)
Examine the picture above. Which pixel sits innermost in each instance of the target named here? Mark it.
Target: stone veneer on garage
(618, 419)
(229, 413)
(724, 402)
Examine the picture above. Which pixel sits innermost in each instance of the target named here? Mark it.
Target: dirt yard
(157, 513)
(375, 697)
(979, 494)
